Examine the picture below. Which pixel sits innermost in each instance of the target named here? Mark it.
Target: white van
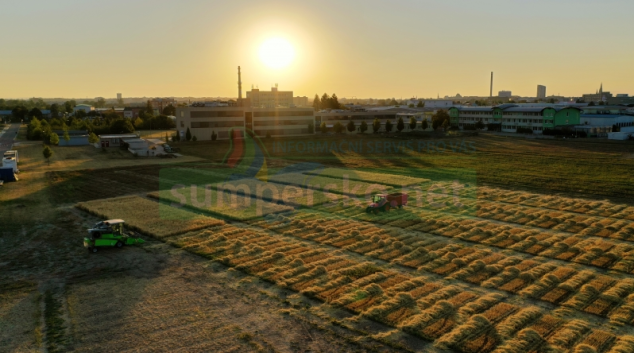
(10, 162)
(12, 154)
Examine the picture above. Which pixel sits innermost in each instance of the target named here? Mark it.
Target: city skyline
(355, 49)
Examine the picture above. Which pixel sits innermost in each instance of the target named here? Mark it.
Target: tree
(66, 136)
(591, 104)
(388, 126)
(420, 104)
(339, 128)
(149, 110)
(35, 113)
(188, 135)
(425, 124)
(194, 138)
(166, 138)
(478, 125)
(323, 128)
(19, 113)
(92, 138)
(616, 128)
(54, 139)
(100, 103)
(311, 128)
(411, 105)
(445, 124)
(350, 126)
(601, 103)
(169, 110)
(334, 102)
(316, 103)
(69, 106)
(438, 119)
(213, 136)
(393, 102)
(376, 125)
(48, 153)
(325, 101)
(121, 126)
(412, 123)
(400, 125)
(363, 127)
(54, 110)
(138, 123)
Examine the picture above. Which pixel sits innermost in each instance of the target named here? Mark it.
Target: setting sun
(276, 53)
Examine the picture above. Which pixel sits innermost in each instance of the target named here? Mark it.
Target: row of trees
(327, 102)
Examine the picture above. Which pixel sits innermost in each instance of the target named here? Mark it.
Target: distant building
(158, 104)
(505, 94)
(599, 96)
(541, 91)
(83, 107)
(514, 116)
(599, 120)
(438, 103)
(269, 99)
(132, 112)
(204, 120)
(300, 101)
(119, 96)
(622, 95)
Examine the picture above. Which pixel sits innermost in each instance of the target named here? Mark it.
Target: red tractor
(384, 202)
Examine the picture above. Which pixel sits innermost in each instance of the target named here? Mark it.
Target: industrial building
(269, 99)
(203, 121)
(357, 117)
(514, 116)
(300, 101)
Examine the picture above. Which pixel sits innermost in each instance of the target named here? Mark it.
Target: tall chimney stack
(491, 89)
(239, 85)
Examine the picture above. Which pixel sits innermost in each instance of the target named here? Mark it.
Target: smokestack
(239, 84)
(491, 89)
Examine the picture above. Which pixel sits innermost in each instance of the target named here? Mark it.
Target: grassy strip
(385, 179)
(148, 217)
(237, 210)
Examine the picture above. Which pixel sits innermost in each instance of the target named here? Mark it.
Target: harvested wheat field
(293, 262)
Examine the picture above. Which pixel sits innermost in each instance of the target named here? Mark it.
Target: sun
(277, 53)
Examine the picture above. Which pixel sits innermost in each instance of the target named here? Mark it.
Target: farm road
(7, 137)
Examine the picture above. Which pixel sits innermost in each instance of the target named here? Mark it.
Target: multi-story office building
(269, 99)
(300, 101)
(541, 91)
(505, 94)
(513, 116)
(384, 115)
(158, 104)
(203, 121)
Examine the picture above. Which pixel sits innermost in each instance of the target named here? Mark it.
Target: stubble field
(506, 271)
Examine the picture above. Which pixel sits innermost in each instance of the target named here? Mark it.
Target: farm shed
(114, 140)
(143, 147)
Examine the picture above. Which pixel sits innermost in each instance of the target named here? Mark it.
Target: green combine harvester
(109, 233)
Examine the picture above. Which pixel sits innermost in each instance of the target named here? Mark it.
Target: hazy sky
(356, 48)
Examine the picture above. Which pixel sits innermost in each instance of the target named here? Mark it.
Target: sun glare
(276, 53)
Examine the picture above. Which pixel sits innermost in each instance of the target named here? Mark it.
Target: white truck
(12, 154)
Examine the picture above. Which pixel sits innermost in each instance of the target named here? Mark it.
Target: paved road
(6, 138)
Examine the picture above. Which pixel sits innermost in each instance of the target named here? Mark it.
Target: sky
(354, 48)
